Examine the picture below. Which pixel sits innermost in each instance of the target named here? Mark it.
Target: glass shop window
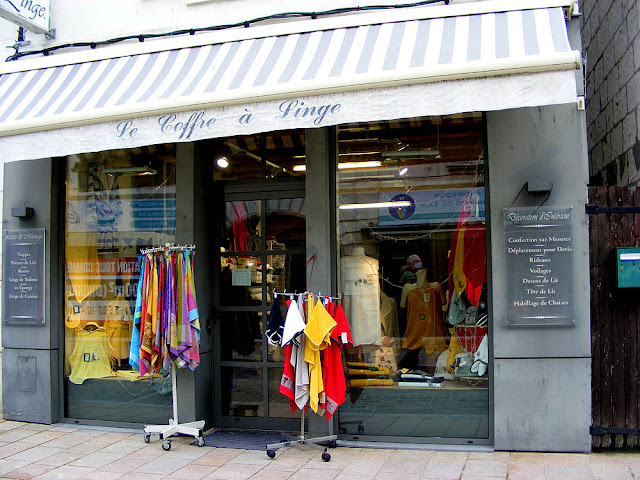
(413, 278)
(117, 202)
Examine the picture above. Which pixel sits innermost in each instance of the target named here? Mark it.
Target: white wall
(95, 20)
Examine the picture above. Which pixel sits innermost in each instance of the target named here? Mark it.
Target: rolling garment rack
(174, 427)
(301, 439)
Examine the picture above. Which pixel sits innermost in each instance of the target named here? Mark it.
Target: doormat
(243, 439)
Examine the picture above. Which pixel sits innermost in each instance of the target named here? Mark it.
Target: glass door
(261, 250)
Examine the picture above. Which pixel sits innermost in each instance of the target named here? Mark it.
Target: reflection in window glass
(117, 203)
(242, 332)
(413, 277)
(265, 155)
(242, 392)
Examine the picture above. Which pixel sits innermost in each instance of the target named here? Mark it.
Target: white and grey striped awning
(269, 68)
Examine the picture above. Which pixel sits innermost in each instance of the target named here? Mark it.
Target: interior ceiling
(457, 138)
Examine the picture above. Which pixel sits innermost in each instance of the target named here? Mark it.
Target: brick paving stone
(398, 475)
(163, 465)
(38, 427)
(497, 456)
(567, 459)
(65, 472)
(287, 463)
(561, 472)
(13, 448)
(59, 459)
(364, 467)
(43, 437)
(526, 471)
(271, 475)
(527, 458)
(29, 471)
(218, 457)
(7, 425)
(252, 457)
(7, 466)
(35, 453)
(66, 440)
(96, 459)
(611, 471)
(449, 457)
(235, 471)
(486, 468)
(16, 434)
(100, 475)
(307, 473)
(193, 472)
(443, 471)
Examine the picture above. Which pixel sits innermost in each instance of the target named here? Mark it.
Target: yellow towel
(318, 333)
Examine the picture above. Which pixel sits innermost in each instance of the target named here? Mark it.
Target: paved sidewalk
(67, 452)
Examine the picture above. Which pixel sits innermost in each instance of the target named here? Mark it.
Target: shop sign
(23, 277)
(30, 14)
(432, 206)
(540, 259)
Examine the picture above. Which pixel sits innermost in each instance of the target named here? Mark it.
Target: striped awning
(372, 56)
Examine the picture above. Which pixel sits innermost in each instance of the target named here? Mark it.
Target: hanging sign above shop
(540, 258)
(32, 15)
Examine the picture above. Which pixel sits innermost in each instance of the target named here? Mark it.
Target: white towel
(293, 324)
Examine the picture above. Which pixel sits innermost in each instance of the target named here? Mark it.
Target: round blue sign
(402, 213)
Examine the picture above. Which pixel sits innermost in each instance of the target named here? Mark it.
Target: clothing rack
(194, 429)
(301, 439)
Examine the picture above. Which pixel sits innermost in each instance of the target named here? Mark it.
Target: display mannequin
(361, 296)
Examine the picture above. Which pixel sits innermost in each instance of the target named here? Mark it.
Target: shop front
(428, 173)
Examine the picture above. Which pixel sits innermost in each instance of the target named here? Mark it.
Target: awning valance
(430, 60)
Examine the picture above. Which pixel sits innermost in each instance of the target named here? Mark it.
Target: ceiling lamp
(146, 170)
(222, 162)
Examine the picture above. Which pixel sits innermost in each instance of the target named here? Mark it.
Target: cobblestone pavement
(68, 452)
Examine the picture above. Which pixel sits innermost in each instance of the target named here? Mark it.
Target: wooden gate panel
(615, 319)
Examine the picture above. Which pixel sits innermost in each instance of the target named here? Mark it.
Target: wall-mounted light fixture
(222, 162)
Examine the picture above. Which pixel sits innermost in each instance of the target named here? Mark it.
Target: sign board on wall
(23, 281)
(540, 259)
(30, 14)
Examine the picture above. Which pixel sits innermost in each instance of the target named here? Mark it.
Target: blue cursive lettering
(297, 109)
(34, 9)
(125, 129)
(197, 120)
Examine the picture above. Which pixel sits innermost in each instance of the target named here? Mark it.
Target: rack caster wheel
(200, 441)
(332, 444)
(147, 438)
(166, 445)
(271, 453)
(325, 456)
